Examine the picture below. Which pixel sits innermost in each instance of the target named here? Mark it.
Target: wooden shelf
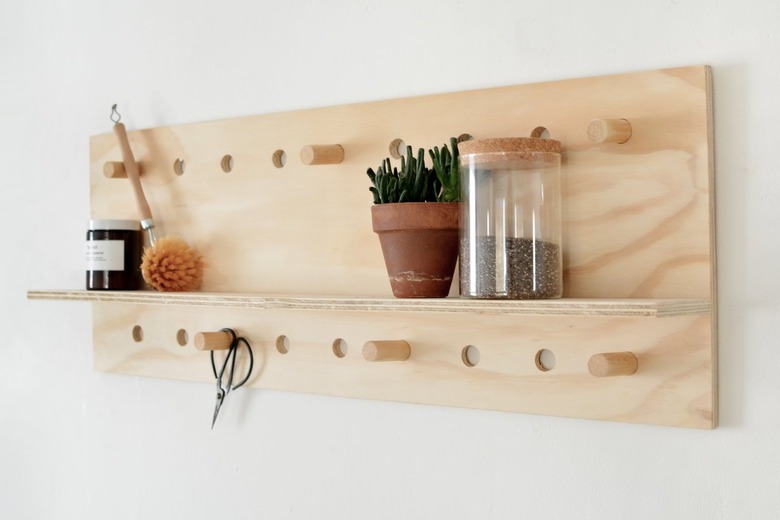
(292, 257)
(651, 308)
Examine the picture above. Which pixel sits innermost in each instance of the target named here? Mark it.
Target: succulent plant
(447, 169)
(411, 184)
(416, 183)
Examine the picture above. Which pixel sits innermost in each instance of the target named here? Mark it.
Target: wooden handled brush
(169, 264)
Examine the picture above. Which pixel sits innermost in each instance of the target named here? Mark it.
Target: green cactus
(415, 182)
(447, 169)
(411, 184)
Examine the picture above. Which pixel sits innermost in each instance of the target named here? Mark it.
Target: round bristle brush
(169, 264)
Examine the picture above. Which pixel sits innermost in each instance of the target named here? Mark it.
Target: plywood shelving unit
(293, 261)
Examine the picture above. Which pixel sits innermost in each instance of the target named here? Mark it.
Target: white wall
(82, 444)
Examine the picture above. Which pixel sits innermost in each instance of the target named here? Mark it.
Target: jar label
(105, 255)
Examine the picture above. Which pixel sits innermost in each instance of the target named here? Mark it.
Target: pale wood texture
(613, 364)
(636, 217)
(291, 252)
(322, 154)
(609, 131)
(674, 386)
(219, 340)
(562, 307)
(387, 350)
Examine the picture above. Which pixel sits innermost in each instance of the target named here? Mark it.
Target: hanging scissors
(222, 392)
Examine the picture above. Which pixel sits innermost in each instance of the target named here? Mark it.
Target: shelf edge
(658, 308)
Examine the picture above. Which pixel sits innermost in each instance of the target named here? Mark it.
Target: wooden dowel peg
(213, 340)
(613, 364)
(116, 170)
(398, 350)
(609, 131)
(322, 154)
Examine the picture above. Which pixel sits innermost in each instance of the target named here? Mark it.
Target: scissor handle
(234, 344)
(233, 336)
(251, 360)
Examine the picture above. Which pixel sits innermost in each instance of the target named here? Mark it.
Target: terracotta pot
(420, 244)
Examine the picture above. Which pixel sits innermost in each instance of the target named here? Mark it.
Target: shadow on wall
(733, 168)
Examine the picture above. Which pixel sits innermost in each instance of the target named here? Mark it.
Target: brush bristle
(172, 266)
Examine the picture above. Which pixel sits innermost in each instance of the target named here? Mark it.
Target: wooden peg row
(116, 170)
(322, 154)
(613, 364)
(213, 340)
(609, 131)
(397, 350)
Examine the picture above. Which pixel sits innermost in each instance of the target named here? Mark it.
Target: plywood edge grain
(713, 240)
(658, 308)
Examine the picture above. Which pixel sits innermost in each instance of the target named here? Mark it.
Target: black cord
(251, 361)
(235, 342)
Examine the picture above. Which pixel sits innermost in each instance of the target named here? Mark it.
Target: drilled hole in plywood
(283, 344)
(178, 166)
(470, 355)
(138, 334)
(545, 360)
(279, 158)
(182, 338)
(540, 132)
(340, 348)
(397, 148)
(227, 163)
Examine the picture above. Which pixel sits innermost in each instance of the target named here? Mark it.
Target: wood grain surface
(291, 252)
(673, 385)
(637, 220)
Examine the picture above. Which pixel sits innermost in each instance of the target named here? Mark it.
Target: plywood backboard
(637, 216)
(290, 252)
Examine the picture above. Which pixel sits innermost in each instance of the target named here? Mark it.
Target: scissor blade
(220, 398)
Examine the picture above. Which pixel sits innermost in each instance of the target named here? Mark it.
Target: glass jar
(114, 255)
(510, 222)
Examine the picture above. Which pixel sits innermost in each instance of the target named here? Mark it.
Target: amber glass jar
(114, 255)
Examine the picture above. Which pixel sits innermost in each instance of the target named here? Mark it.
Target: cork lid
(508, 145)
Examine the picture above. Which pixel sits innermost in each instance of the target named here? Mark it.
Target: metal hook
(114, 111)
